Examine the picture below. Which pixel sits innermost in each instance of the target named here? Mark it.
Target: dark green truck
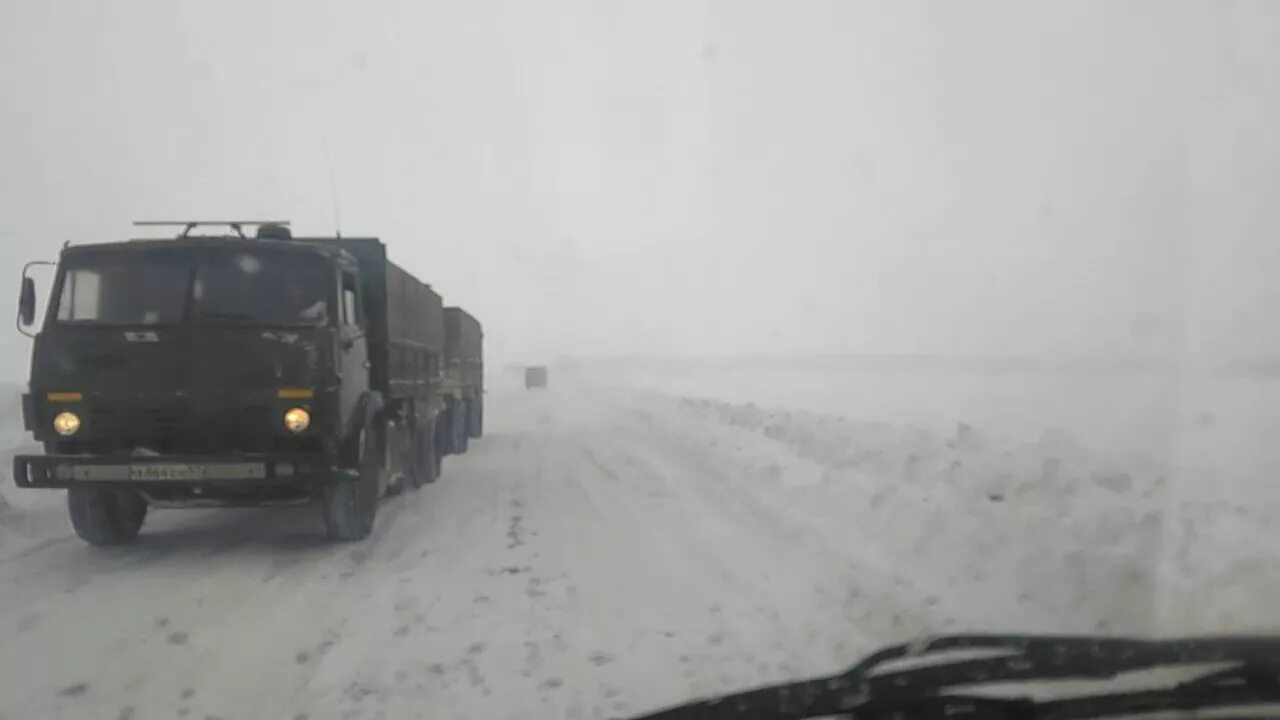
(234, 370)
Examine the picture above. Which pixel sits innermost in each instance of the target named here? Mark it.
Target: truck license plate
(167, 472)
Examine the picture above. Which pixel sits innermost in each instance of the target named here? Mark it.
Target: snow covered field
(626, 540)
(1201, 444)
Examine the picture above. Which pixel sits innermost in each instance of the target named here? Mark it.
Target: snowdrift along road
(598, 554)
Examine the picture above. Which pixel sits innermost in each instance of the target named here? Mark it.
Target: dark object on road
(233, 370)
(929, 680)
(535, 377)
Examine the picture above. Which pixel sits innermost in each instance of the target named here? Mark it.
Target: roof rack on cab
(267, 229)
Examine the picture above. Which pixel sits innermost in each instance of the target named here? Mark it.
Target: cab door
(353, 347)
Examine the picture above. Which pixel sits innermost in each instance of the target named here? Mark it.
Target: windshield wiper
(927, 680)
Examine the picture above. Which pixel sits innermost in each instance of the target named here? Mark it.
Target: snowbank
(27, 517)
(1044, 533)
(1148, 494)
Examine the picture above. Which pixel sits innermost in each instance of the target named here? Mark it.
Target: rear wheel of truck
(426, 466)
(394, 462)
(351, 503)
(475, 417)
(105, 516)
(444, 435)
(461, 415)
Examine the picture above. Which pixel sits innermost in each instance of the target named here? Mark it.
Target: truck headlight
(66, 423)
(297, 419)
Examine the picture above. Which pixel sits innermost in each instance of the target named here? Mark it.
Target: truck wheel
(444, 433)
(105, 516)
(393, 460)
(426, 467)
(461, 414)
(350, 504)
(475, 417)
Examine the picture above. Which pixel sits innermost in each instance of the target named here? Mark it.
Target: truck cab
(225, 370)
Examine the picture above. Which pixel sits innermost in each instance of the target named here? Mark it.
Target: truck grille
(175, 429)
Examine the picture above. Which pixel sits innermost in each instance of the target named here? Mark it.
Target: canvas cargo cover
(463, 336)
(404, 319)
(414, 310)
(464, 350)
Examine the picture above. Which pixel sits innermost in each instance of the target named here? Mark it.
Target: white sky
(672, 176)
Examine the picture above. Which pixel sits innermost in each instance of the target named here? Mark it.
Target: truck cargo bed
(405, 320)
(464, 349)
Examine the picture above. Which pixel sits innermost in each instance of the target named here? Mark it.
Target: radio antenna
(333, 191)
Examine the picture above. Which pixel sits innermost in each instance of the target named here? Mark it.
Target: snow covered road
(582, 561)
(601, 552)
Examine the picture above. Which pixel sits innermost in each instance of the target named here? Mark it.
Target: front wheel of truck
(351, 503)
(106, 516)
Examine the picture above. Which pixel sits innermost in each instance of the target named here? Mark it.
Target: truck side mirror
(27, 302)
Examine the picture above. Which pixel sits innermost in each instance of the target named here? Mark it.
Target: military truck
(232, 370)
(535, 376)
(463, 377)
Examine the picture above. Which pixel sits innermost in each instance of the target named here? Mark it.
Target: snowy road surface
(599, 553)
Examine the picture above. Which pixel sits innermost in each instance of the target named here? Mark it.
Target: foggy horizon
(824, 179)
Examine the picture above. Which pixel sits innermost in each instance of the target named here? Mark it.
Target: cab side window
(350, 301)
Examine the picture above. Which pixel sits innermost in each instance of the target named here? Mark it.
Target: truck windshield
(134, 288)
(262, 288)
(237, 286)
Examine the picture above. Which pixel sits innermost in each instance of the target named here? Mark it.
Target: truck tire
(105, 516)
(462, 413)
(452, 429)
(443, 431)
(426, 466)
(351, 503)
(475, 417)
(394, 460)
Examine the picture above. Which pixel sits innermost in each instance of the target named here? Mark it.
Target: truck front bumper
(172, 471)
